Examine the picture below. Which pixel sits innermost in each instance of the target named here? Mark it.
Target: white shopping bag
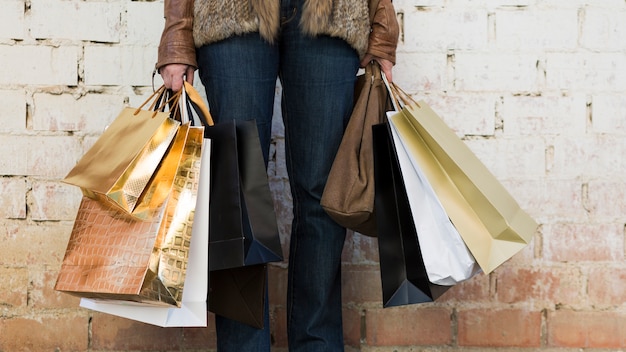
(447, 259)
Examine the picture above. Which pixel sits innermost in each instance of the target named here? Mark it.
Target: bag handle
(159, 99)
(195, 103)
(399, 97)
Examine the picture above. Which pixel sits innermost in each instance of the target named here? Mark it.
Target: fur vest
(215, 20)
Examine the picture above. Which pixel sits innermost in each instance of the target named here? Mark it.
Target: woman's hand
(385, 65)
(174, 74)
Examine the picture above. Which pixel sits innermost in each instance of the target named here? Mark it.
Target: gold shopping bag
(490, 221)
(112, 255)
(120, 164)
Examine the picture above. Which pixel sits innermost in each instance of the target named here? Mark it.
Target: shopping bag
(112, 255)
(446, 258)
(403, 274)
(348, 196)
(120, 164)
(193, 308)
(490, 221)
(239, 293)
(243, 228)
(189, 186)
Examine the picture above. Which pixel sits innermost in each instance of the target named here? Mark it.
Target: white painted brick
(38, 64)
(603, 29)
(605, 200)
(89, 114)
(442, 29)
(44, 156)
(408, 4)
(609, 113)
(580, 242)
(586, 71)
(28, 244)
(136, 101)
(144, 22)
(579, 3)
(13, 199)
(421, 72)
(544, 115)
(490, 4)
(76, 20)
(54, 201)
(119, 65)
(529, 30)
(12, 24)
(278, 128)
(592, 156)
(13, 112)
(469, 114)
(511, 158)
(495, 72)
(550, 200)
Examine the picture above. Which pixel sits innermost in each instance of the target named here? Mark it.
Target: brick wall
(535, 87)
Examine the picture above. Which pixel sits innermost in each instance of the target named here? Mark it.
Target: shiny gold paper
(112, 255)
(121, 162)
(491, 223)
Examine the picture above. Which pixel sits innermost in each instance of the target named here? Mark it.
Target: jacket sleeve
(177, 44)
(383, 39)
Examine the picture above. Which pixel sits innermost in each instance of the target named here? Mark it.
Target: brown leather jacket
(184, 22)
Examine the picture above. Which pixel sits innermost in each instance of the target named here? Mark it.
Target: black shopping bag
(239, 294)
(403, 275)
(242, 221)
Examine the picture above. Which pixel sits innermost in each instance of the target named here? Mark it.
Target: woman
(315, 48)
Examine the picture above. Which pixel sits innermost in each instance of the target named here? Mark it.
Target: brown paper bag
(118, 167)
(491, 223)
(348, 196)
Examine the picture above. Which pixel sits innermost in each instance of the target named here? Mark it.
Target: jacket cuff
(383, 40)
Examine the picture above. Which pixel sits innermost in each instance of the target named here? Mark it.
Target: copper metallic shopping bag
(118, 167)
(112, 255)
(490, 221)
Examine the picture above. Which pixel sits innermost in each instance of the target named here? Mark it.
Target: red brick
(352, 326)
(600, 329)
(544, 284)
(360, 249)
(606, 286)
(413, 325)
(475, 289)
(44, 333)
(279, 328)
(361, 284)
(200, 338)
(499, 328)
(118, 334)
(277, 285)
(603, 242)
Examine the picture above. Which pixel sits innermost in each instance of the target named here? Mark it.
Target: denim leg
(317, 76)
(239, 75)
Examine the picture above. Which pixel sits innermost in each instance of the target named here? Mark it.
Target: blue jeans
(317, 76)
